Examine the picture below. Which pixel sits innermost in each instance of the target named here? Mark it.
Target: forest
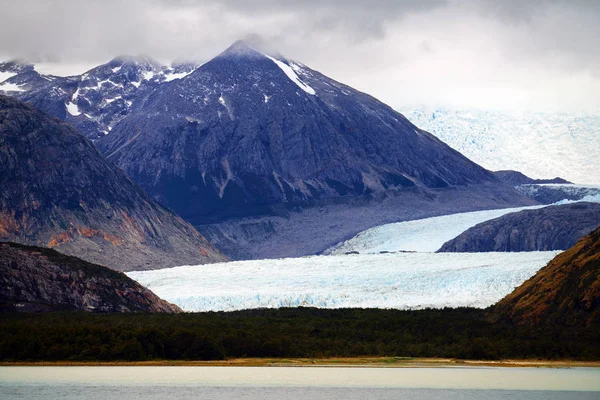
(463, 333)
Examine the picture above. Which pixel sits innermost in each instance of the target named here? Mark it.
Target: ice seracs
(401, 281)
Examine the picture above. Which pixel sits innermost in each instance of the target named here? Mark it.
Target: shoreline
(351, 362)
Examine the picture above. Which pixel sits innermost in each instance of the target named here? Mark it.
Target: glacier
(425, 235)
(540, 145)
(399, 281)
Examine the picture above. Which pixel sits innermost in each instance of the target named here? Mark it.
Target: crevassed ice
(401, 281)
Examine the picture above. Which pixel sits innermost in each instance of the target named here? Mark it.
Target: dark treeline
(302, 332)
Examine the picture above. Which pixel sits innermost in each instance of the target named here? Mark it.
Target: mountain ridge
(58, 191)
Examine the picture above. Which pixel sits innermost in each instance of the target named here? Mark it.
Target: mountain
(247, 130)
(96, 100)
(566, 292)
(265, 156)
(58, 191)
(517, 178)
(34, 279)
(17, 76)
(538, 144)
(250, 134)
(556, 227)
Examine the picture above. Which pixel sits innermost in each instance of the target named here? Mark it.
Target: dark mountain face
(58, 191)
(551, 228)
(517, 178)
(94, 102)
(246, 132)
(566, 292)
(34, 279)
(266, 156)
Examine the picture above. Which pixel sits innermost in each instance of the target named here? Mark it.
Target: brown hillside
(34, 279)
(566, 291)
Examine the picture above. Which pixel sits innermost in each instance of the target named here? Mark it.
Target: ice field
(401, 280)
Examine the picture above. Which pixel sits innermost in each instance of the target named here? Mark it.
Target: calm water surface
(291, 383)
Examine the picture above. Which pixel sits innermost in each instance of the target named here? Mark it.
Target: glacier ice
(428, 234)
(540, 145)
(401, 281)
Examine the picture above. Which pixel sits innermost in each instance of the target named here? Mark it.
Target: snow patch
(73, 109)
(148, 75)
(400, 281)
(116, 69)
(75, 95)
(11, 87)
(6, 75)
(108, 101)
(227, 107)
(172, 76)
(136, 84)
(292, 75)
(266, 100)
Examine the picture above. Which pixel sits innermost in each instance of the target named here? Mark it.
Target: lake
(298, 383)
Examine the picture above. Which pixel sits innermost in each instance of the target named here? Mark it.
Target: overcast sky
(503, 54)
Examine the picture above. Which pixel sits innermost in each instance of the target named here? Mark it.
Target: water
(298, 383)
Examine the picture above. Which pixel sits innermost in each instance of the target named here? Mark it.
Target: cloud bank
(535, 55)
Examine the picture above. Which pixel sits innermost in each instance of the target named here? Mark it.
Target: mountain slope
(95, 100)
(517, 178)
(58, 191)
(39, 279)
(246, 131)
(556, 227)
(565, 292)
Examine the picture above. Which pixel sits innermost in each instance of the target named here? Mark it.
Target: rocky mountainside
(96, 100)
(556, 227)
(248, 130)
(36, 279)
(58, 191)
(518, 178)
(565, 292)
(265, 156)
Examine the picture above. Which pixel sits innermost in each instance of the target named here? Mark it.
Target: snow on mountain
(425, 235)
(541, 145)
(249, 130)
(401, 281)
(96, 100)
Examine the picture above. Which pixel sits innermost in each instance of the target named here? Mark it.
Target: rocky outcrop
(36, 279)
(566, 292)
(58, 191)
(556, 227)
(517, 178)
